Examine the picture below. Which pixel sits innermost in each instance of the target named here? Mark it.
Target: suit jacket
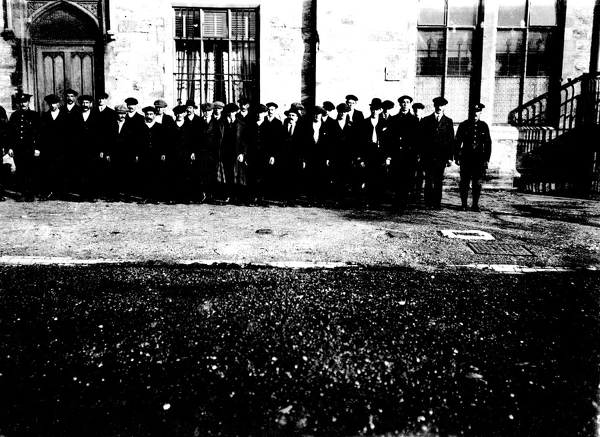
(473, 143)
(151, 143)
(437, 140)
(87, 144)
(371, 153)
(53, 131)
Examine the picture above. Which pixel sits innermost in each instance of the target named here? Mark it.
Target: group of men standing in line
(243, 153)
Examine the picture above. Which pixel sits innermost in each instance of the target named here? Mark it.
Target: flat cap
(160, 103)
(328, 106)
(272, 104)
(71, 91)
(179, 109)
(418, 105)
(352, 97)
(218, 105)
(243, 100)
(102, 96)
(121, 109)
(343, 107)
(51, 98)
(388, 104)
(440, 101)
(318, 110)
(405, 97)
(86, 97)
(230, 107)
(149, 109)
(131, 101)
(262, 108)
(206, 106)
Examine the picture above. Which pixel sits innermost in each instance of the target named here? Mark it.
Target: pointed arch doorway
(65, 40)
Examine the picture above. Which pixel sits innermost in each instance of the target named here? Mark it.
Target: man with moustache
(122, 156)
(161, 117)
(271, 151)
(53, 154)
(371, 154)
(232, 156)
(152, 157)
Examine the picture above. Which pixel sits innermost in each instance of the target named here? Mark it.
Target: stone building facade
(302, 50)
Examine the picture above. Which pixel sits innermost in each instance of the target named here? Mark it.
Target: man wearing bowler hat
(371, 154)
(472, 154)
(23, 127)
(437, 150)
(52, 130)
(232, 156)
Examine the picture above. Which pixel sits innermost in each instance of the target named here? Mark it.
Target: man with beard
(23, 127)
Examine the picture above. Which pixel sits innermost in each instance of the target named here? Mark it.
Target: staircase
(558, 150)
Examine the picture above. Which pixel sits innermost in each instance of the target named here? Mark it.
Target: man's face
(404, 105)
(70, 98)
(180, 116)
(419, 112)
(245, 107)
(217, 112)
(131, 108)
(25, 105)
(293, 117)
(121, 115)
(207, 115)
(261, 115)
(375, 112)
(189, 110)
(54, 106)
(86, 105)
(439, 109)
(159, 110)
(101, 102)
(271, 111)
(351, 103)
(149, 116)
(317, 117)
(231, 116)
(332, 113)
(476, 115)
(341, 114)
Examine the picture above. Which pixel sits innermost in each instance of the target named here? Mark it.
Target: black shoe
(475, 208)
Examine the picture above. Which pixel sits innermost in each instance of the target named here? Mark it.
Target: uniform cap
(388, 104)
(478, 107)
(352, 97)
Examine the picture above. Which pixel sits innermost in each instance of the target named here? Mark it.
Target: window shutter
(243, 25)
(215, 24)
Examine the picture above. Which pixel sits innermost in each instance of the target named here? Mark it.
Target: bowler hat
(131, 101)
(230, 107)
(440, 101)
(160, 103)
(352, 97)
(292, 110)
(375, 103)
(149, 109)
(191, 103)
(51, 98)
(401, 98)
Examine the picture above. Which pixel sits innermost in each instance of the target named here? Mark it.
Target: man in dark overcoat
(52, 149)
(437, 148)
(121, 155)
(232, 156)
(152, 157)
(371, 154)
(23, 127)
(472, 154)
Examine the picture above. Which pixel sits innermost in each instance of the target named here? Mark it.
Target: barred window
(216, 54)
(526, 48)
(445, 61)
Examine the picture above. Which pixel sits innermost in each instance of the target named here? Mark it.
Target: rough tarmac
(529, 231)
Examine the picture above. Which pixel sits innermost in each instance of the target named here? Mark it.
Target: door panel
(63, 67)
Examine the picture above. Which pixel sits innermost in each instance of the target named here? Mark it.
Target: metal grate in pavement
(494, 248)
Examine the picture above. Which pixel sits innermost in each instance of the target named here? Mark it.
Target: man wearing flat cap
(133, 116)
(403, 152)
(293, 156)
(472, 153)
(256, 154)
(231, 171)
(152, 157)
(121, 156)
(23, 129)
(203, 168)
(70, 108)
(161, 117)
(271, 151)
(52, 149)
(88, 151)
(437, 149)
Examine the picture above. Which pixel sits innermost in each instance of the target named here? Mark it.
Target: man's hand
(11, 153)
(163, 158)
(101, 155)
(36, 153)
(193, 156)
(107, 158)
(457, 161)
(240, 158)
(271, 160)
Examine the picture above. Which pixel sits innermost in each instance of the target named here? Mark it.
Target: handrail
(575, 103)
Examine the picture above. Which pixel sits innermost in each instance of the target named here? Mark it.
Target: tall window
(216, 54)
(445, 52)
(526, 53)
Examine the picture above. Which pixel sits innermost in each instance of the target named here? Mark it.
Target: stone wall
(578, 38)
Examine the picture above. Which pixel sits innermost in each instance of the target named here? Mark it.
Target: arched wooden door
(64, 40)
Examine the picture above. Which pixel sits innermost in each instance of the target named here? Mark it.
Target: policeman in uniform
(472, 153)
(24, 127)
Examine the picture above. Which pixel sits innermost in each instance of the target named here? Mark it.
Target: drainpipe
(595, 48)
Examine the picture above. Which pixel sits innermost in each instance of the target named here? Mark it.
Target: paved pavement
(515, 233)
